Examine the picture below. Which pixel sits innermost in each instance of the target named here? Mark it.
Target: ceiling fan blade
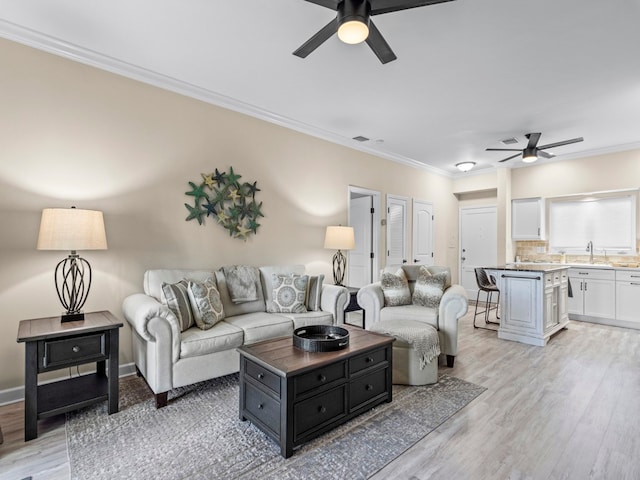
(332, 4)
(533, 139)
(509, 158)
(544, 154)
(503, 149)
(379, 45)
(559, 144)
(387, 6)
(318, 39)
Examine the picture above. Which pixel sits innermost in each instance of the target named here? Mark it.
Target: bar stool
(488, 286)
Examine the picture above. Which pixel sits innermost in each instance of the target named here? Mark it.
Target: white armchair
(444, 319)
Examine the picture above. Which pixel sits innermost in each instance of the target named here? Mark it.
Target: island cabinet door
(522, 305)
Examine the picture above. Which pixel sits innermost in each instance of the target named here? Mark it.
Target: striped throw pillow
(177, 298)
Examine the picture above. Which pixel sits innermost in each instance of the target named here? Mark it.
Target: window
(609, 222)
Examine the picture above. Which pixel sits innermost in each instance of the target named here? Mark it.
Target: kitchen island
(533, 301)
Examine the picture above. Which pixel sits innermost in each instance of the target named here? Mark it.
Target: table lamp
(72, 229)
(339, 238)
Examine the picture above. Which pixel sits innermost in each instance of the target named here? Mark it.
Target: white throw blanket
(422, 337)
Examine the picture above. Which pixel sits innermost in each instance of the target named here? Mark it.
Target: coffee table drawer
(320, 377)
(265, 408)
(319, 410)
(367, 360)
(263, 376)
(367, 387)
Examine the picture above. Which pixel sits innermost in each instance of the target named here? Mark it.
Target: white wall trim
(40, 41)
(16, 394)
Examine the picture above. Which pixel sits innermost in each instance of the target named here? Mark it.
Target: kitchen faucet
(590, 250)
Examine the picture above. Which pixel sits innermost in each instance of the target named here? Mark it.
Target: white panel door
(396, 230)
(422, 232)
(359, 259)
(478, 244)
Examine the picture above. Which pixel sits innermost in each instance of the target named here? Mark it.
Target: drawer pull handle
(322, 409)
(369, 359)
(322, 378)
(369, 387)
(75, 349)
(260, 376)
(260, 406)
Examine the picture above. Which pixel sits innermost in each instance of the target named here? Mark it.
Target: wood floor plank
(564, 411)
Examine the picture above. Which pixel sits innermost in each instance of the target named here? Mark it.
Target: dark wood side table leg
(31, 391)
(113, 371)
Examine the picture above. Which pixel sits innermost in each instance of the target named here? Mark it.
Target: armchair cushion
(429, 288)
(395, 289)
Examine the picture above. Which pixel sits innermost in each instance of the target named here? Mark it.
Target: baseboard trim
(16, 394)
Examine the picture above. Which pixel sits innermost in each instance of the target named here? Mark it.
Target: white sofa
(444, 319)
(169, 358)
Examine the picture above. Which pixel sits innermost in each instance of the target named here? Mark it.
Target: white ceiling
(469, 73)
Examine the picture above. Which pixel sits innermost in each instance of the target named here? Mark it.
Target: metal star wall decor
(227, 200)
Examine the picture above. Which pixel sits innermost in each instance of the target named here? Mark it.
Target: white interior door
(359, 259)
(396, 231)
(478, 244)
(422, 246)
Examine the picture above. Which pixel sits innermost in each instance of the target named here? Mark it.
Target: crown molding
(40, 41)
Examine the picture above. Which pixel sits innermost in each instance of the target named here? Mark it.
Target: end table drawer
(71, 351)
(367, 360)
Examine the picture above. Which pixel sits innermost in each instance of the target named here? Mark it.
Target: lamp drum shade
(71, 229)
(339, 238)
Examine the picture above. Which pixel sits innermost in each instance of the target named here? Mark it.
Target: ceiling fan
(353, 25)
(532, 151)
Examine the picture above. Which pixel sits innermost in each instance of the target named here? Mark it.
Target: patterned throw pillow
(205, 303)
(289, 293)
(429, 289)
(314, 290)
(177, 298)
(395, 289)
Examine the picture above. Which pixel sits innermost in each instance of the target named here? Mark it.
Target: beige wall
(74, 135)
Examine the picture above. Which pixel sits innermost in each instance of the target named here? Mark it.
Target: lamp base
(72, 317)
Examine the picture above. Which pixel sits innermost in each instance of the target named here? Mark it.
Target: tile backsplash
(537, 251)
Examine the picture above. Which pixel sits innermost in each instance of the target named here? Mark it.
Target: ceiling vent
(360, 138)
(509, 141)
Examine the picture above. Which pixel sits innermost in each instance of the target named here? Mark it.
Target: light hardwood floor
(570, 410)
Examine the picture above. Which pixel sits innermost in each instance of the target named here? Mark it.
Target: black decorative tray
(320, 338)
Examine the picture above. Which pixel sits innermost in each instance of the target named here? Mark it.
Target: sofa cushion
(289, 293)
(314, 292)
(153, 279)
(309, 318)
(411, 312)
(231, 309)
(221, 336)
(205, 303)
(266, 277)
(395, 288)
(260, 326)
(428, 289)
(176, 297)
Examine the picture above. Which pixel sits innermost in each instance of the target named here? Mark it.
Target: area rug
(199, 435)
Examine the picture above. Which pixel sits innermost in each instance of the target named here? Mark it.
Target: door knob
(464, 258)
(415, 260)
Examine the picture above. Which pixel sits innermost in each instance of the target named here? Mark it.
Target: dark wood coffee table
(294, 396)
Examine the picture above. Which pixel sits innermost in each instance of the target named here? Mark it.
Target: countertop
(531, 267)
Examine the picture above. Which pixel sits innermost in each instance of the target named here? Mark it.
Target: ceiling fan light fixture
(529, 155)
(353, 31)
(465, 166)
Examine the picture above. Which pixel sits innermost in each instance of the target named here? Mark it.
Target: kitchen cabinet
(533, 302)
(628, 298)
(593, 293)
(528, 219)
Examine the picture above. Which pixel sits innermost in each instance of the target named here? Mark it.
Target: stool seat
(415, 351)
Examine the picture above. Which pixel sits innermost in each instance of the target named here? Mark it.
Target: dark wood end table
(52, 345)
(294, 396)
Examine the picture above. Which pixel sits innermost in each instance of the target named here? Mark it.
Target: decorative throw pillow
(289, 292)
(205, 303)
(395, 289)
(429, 289)
(314, 289)
(177, 298)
